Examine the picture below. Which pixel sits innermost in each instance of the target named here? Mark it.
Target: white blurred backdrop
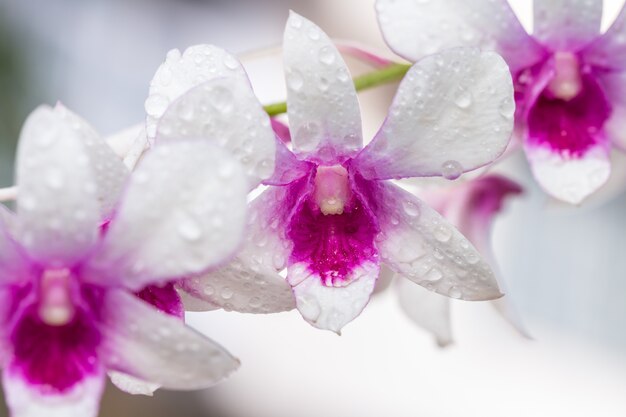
(565, 268)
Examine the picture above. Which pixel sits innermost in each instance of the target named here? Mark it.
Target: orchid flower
(472, 207)
(568, 77)
(87, 236)
(329, 214)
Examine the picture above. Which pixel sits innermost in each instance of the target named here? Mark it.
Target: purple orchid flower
(569, 79)
(85, 237)
(472, 207)
(330, 215)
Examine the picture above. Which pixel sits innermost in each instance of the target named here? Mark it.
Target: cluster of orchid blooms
(105, 252)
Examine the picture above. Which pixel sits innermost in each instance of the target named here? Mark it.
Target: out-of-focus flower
(329, 214)
(470, 206)
(569, 79)
(85, 237)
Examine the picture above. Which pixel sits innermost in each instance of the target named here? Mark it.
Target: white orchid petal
(424, 247)
(414, 29)
(58, 205)
(453, 113)
(181, 72)
(153, 346)
(225, 112)
(329, 307)
(570, 179)
(26, 400)
(429, 310)
(183, 212)
(324, 115)
(251, 283)
(567, 25)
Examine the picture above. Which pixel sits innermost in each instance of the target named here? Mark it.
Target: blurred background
(565, 268)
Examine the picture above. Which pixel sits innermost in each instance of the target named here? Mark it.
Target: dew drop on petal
(295, 81)
(443, 233)
(230, 62)
(507, 108)
(226, 293)
(308, 136)
(464, 99)
(410, 208)
(156, 105)
(451, 170)
(189, 229)
(454, 292)
(326, 55)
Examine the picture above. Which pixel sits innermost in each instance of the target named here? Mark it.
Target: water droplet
(451, 170)
(173, 54)
(507, 108)
(184, 109)
(326, 55)
(342, 75)
(230, 62)
(442, 233)
(411, 208)
(314, 34)
(295, 80)
(454, 292)
(54, 179)
(464, 99)
(434, 274)
(308, 136)
(265, 168)
(222, 99)
(155, 105)
(227, 293)
(208, 290)
(189, 229)
(255, 302)
(165, 75)
(295, 21)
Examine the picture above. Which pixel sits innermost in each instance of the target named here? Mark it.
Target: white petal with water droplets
(414, 29)
(422, 246)
(183, 212)
(108, 170)
(324, 115)
(453, 112)
(25, 400)
(225, 112)
(251, 282)
(570, 179)
(181, 72)
(58, 202)
(567, 25)
(152, 346)
(331, 308)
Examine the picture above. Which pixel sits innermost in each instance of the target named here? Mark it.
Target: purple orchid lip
(332, 232)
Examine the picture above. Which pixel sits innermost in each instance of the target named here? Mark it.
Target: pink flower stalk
(568, 77)
(330, 215)
(472, 207)
(87, 236)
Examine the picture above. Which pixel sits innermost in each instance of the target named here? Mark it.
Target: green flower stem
(385, 75)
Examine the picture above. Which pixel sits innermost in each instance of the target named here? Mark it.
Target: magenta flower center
(56, 307)
(332, 230)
